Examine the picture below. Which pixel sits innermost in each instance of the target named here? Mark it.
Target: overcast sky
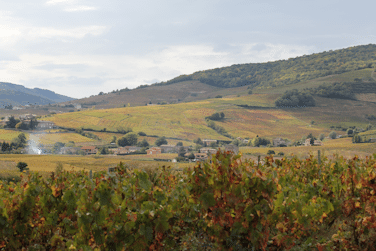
(81, 47)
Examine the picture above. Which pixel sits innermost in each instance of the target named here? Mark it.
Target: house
(207, 142)
(208, 150)
(45, 125)
(154, 150)
(77, 106)
(200, 156)
(279, 142)
(89, 149)
(132, 149)
(27, 116)
(119, 151)
(232, 148)
(168, 148)
(316, 142)
(69, 150)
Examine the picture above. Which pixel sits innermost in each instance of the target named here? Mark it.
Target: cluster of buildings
(26, 118)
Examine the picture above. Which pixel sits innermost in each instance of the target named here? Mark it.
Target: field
(187, 120)
(47, 163)
(342, 146)
(8, 135)
(65, 137)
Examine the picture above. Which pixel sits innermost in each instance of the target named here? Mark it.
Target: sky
(79, 48)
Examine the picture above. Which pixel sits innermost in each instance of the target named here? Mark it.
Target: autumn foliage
(227, 204)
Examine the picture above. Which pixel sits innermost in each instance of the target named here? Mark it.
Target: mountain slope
(286, 72)
(20, 95)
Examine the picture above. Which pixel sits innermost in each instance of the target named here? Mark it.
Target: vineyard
(228, 204)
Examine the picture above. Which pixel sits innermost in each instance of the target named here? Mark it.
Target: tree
(103, 151)
(33, 124)
(356, 139)
(57, 146)
(191, 156)
(181, 151)
(9, 107)
(333, 135)
(161, 141)
(349, 132)
(122, 141)
(131, 138)
(143, 143)
(12, 122)
(5, 147)
(198, 141)
(270, 152)
(179, 143)
(258, 141)
(22, 166)
(250, 92)
(322, 136)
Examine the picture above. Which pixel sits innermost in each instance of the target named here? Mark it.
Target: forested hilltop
(285, 72)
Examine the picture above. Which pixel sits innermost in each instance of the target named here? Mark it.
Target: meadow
(186, 121)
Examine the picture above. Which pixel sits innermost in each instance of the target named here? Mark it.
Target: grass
(52, 138)
(47, 163)
(8, 135)
(342, 146)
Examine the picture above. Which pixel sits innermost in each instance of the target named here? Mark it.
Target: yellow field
(52, 138)
(8, 135)
(342, 146)
(47, 163)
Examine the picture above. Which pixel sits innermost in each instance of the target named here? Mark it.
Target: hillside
(286, 72)
(354, 64)
(187, 120)
(19, 95)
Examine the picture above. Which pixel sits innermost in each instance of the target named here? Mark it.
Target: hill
(354, 65)
(245, 116)
(19, 95)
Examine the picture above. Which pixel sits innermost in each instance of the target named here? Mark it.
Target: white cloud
(54, 2)
(78, 32)
(80, 8)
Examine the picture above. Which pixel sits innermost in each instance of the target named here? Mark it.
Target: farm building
(232, 148)
(208, 150)
(89, 149)
(200, 156)
(207, 142)
(69, 150)
(316, 142)
(45, 125)
(278, 142)
(154, 150)
(168, 148)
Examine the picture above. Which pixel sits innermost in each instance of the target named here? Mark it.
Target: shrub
(333, 135)
(281, 154)
(270, 152)
(161, 141)
(22, 166)
(141, 133)
(250, 92)
(322, 136)
(218, 96)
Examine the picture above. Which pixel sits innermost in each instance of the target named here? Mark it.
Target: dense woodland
(285, 72)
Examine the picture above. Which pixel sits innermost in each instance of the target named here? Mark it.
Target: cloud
(80, 8)
(71, 5)
(77, 32)
(55, 2)
(92, 73)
